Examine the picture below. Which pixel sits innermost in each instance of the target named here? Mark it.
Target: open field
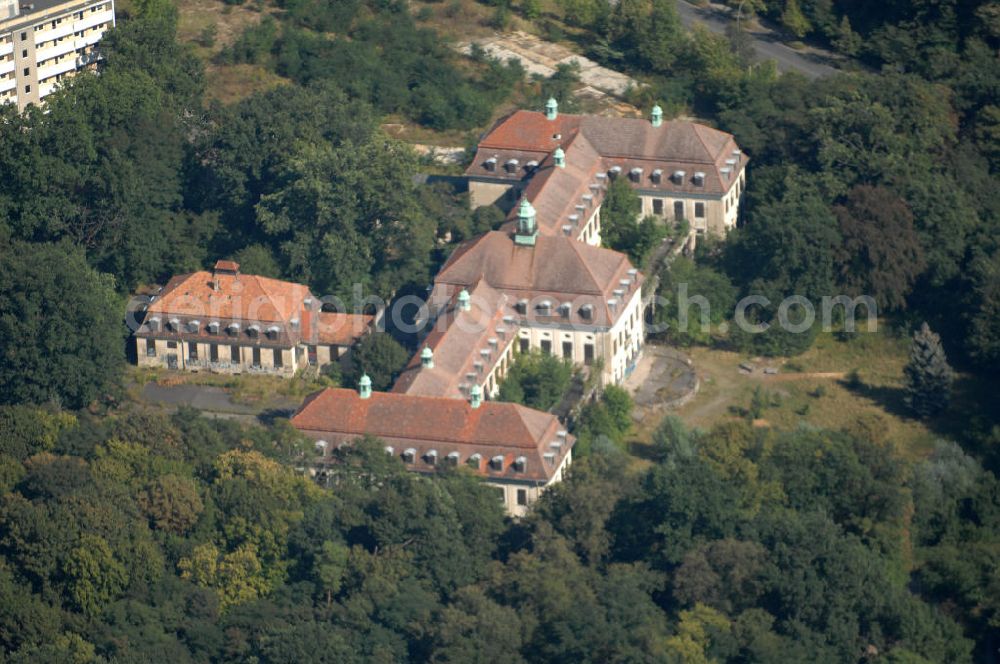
(209, 26)
(819, 388)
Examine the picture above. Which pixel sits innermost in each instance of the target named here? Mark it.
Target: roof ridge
(586, 266)
(697, 132)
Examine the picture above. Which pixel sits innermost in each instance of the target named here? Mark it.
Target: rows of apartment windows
(55, 78)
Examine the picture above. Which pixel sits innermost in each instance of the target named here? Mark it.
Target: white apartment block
(44, 41)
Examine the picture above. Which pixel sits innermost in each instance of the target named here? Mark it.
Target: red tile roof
(457, 340)
(246, 299)
(441, 424)
(557, 268)
(625, 142)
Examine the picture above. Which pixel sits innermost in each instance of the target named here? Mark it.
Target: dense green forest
(141, 538)
(127, 536)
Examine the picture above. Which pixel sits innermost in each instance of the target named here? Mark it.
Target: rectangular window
(699, 210)
(524, 345)
(213, 352)
(568, 350)
(150, 347)
(277, 357)
(234, 354)
(546, 346)
(171, 344)
(256, 356)
(522, 496)
(27, 88)
(500, 493)
(312, 356)
(658, 206)
(588, 354)
(678, 210)
(27, 71)
(192, 351)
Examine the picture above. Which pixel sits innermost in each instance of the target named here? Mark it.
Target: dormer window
(475, 460)
(193, 326)
(614, 172)
(511, 165)
(496, 463)
(213, 327)
(272, 332)
(520, 464)
(544, 308)
(699, 179)
(154, 324)
(564, 309)
(550, 458)
(678, 177)
(521, 306)
(587, 311)
(567, 229)
(491, 164)
(431, 457)
(175, 324)
(635, 175)
(233, 329)
(656, 176)
(390, 450)
(253, 331)
(452, 458)
(409, 455)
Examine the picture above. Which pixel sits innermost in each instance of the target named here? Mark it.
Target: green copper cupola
(464, 301)
(476, 396)
(551, 109)
(527, 229)
(559, 158)
(427, 358)
(656, 117)
(365, 387)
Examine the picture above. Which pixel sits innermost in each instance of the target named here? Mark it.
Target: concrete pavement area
(811, 62)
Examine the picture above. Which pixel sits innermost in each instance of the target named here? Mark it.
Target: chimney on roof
(365, 387)
(229, 268)
(656, 117)
(559, 158)
(464, 301)
(427, 358)
(476, 396)
(551, 109)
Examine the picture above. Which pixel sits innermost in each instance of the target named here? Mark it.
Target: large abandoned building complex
(44, 41)
(542, 282)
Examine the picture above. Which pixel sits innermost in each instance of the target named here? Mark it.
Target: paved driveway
(811, 62)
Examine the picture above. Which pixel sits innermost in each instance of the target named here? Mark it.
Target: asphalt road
(812, 63)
